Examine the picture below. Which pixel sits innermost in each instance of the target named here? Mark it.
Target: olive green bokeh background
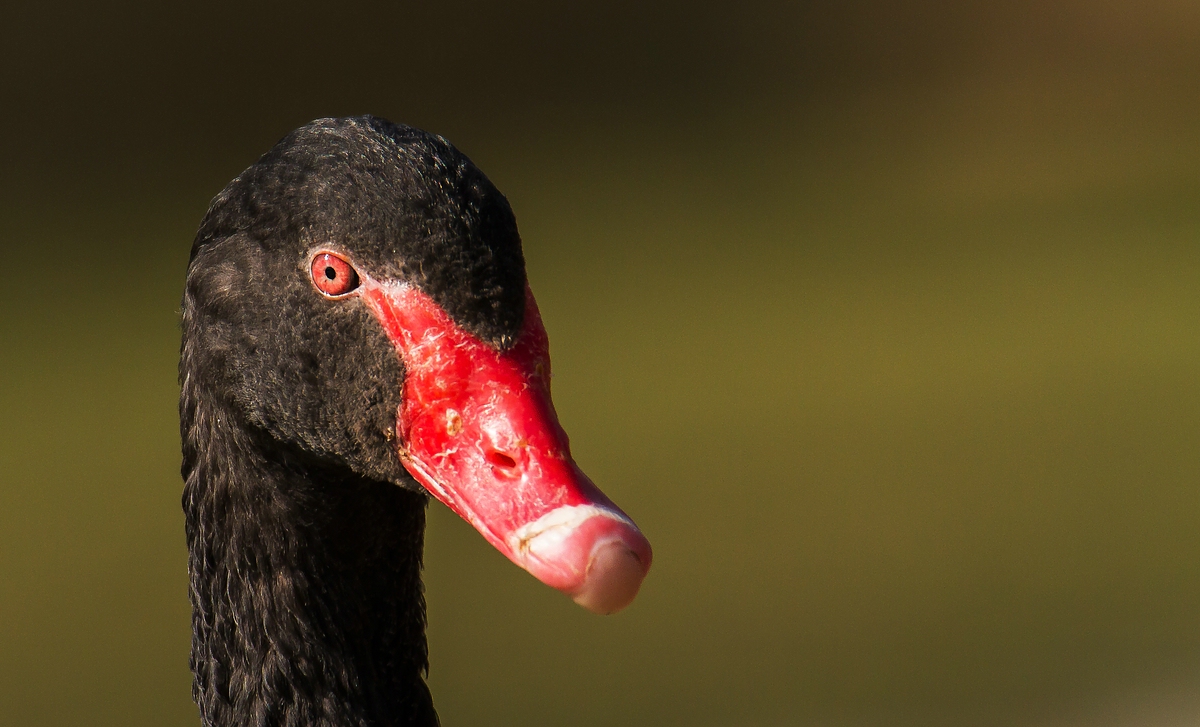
(883, 320)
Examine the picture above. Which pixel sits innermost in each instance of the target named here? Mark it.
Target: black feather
(304, 531)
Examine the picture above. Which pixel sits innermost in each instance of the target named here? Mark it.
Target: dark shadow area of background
(882, 319)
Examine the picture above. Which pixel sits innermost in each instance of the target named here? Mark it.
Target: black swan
(358, 333)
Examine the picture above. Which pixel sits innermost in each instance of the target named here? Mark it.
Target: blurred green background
(882, 319)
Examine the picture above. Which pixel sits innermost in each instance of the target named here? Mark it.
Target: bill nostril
(502, 460)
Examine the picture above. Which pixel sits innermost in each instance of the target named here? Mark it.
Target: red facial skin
(476, 427)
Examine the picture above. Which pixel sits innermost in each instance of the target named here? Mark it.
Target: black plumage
(304, 531)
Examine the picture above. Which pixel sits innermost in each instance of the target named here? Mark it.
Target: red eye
(332, 275)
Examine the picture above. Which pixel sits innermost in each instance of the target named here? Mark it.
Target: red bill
(477, 428)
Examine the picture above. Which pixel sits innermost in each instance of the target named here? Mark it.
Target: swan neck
(307, 604)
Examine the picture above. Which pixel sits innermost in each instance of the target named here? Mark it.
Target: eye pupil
(330, 272)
